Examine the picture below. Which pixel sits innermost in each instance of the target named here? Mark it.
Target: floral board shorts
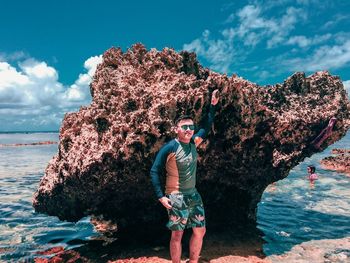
(187, 211)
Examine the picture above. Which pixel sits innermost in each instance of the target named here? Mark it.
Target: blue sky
(49, 49)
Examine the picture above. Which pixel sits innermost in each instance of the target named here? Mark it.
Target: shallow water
(22, 231)
(291, 211)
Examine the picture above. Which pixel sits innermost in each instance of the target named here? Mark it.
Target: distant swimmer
(312, 176)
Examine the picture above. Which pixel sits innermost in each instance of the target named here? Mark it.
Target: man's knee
(199, 231)
(176, 236)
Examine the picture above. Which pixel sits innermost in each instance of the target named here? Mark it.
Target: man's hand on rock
(215, 97)
(165, 202)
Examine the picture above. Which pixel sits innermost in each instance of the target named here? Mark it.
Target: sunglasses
(185, 127)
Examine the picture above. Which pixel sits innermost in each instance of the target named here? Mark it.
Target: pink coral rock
(259, 134)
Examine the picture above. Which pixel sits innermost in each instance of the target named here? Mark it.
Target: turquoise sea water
(291, 211)
(22, 231)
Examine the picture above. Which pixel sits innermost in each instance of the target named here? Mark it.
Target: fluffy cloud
(254, 27)
(323, 58)
(14, 56)
(79, 91)
(303, 41)
(335, 20)
(220, 52)
(262, 34)
(31, 96)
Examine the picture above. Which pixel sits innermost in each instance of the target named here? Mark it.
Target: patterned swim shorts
(187, 211)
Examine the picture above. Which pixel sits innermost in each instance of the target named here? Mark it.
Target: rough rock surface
(59, 255)
(259, 134)
(340, 162)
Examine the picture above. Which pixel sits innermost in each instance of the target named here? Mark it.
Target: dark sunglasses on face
(185, 127)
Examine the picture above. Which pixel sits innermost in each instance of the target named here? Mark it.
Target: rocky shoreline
(28, 144)
(217, 249)
(340, 162)
(220, 246)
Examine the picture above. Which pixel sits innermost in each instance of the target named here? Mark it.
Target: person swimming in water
(311, 170)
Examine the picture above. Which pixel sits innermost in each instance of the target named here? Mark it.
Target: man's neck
(183, 140)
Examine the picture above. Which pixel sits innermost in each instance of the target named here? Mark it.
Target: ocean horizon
(11, 132)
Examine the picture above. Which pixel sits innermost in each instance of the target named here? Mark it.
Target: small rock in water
(339, 163)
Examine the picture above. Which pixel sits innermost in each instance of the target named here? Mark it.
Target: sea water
(291, 210)
(22, 231)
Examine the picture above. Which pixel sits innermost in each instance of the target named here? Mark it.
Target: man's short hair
(183, 117)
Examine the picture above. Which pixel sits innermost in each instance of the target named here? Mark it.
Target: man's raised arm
(203, 132)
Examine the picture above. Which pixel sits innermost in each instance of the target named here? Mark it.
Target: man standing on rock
(182, 201)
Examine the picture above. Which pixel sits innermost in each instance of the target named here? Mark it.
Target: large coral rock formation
(259, 134)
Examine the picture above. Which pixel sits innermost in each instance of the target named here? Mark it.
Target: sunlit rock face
(259, 134)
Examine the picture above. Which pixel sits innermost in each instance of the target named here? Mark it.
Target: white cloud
(91, 64)
(32, 94)
(219, 52)
(334, 21)
(250, 19)
(341, 37)
(323, 58)
(34, 84)
(285, 25)
(80, 91)
(230, 18)
(40, 70)
(14, 56)
(254, 27)
(263, 33)
(303, 41)
(10, 77)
